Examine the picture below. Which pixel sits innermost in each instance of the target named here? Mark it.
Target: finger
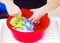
(14, 15)
(31, 18)
(36, 21)
(19, 13)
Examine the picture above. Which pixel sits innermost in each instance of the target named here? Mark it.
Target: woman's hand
(37, 14)
(13, 9)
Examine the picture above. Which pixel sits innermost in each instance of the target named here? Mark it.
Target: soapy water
(26, 27)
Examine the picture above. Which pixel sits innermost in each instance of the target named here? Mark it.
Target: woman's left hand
(37, 14)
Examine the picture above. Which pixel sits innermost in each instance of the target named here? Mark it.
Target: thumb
(19, 13)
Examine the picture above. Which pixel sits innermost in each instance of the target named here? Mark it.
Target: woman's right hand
(13, 9)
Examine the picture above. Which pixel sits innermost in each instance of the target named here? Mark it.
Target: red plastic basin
(30, 36)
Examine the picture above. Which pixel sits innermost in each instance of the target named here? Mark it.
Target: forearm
(6, 1)
(51, 5)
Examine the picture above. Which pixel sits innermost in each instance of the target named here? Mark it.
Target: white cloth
(51, 35)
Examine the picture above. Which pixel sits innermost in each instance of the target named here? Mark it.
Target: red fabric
(26, 13)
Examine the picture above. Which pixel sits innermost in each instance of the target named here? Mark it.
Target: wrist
(43, 11)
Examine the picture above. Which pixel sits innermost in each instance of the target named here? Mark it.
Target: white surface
(52, 34)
